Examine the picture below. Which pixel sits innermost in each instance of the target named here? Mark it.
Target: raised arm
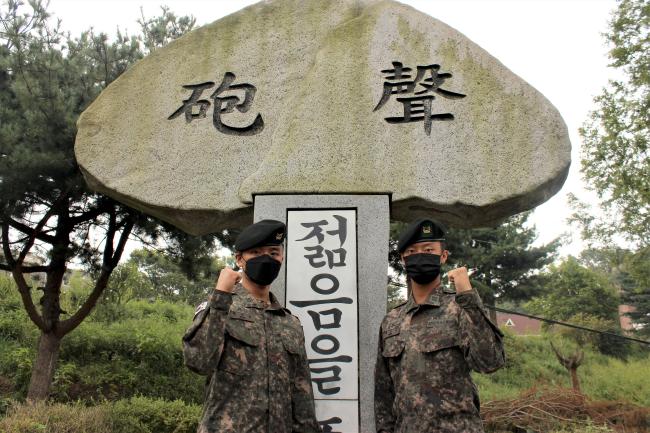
(203, 341)
(481, 340)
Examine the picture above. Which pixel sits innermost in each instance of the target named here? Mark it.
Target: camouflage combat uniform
(426, 352)
(254, 357)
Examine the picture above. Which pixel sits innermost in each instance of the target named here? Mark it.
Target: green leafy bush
(139, 414)
(145, 415)
(139, 354)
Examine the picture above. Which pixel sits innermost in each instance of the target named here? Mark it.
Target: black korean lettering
(326, 425)
(316, 287)
(301, 304)
(319, 348)
(317, 318)
(320, 382)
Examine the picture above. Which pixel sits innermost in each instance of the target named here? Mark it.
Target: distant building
(34, 278)
(519, 325)
(626, 322)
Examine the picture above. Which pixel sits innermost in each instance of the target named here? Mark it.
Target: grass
(531, 363)
(132, 415)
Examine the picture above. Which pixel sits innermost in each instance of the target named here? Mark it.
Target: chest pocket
(291, 347)
(292, 340)
(243, 336)
(439, 333)
(392, 341)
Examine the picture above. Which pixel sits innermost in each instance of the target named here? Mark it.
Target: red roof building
(519, 325)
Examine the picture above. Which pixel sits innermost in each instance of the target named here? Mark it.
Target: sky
(555, 45)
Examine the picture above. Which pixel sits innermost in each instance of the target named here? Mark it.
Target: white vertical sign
(322, 291)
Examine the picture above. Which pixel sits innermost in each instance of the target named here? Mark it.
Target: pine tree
(47, 79)
(504, 261)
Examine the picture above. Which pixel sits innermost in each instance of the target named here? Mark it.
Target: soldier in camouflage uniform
(251, 349)
(429, 344)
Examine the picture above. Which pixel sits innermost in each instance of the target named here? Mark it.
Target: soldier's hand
(227, 280)
(460, 278)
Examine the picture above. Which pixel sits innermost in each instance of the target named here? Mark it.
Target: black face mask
(422, 268)
(262, 269)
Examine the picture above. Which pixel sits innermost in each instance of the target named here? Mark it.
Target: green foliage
(136, 414)
(629, 272)
(504, 258)
(136, 362)
(138, 355)
(619, 380)
(530, 362)
(637, 292)
(47, 78)
(16, 365)
(14, 324)
(127, 283)
(572, 289)
(166, 27)
(395, 296)
(134, 350)
(169, 277)
(615, 138)
(615, 157)
(154, 416)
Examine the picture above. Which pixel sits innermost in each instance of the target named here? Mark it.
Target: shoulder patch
(293, 318)
(202, 306)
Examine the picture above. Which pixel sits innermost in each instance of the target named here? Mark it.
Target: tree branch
(89, 215)
(25, 269)
(9, 257)
(36, 230)
(23, 287)
(27, 230)
(124, 237)
(110, 261)
(110, 235)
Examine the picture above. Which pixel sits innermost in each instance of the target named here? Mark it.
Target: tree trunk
(44, 367)
(575, 381)
(571, 363)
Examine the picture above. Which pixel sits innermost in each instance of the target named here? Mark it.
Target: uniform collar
(249, 301)
(433, 300)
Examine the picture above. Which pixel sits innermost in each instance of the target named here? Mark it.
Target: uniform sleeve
(384, 393)
(203, 341)
(302, 395)
(481, 339)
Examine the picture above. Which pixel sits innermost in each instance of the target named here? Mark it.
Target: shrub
(138, 414)
(56, 418)
(145, 415)
(530, 362)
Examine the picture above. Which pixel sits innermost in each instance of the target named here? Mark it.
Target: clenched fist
(227, 280)
(460, 278)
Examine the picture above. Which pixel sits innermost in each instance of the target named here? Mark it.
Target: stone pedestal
(334, 280)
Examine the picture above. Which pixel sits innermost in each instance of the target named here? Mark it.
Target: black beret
(262, 233)
(422, 230)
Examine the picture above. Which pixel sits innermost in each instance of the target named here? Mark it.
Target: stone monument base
(334, 278)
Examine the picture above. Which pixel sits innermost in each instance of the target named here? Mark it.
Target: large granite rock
(317, 119)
